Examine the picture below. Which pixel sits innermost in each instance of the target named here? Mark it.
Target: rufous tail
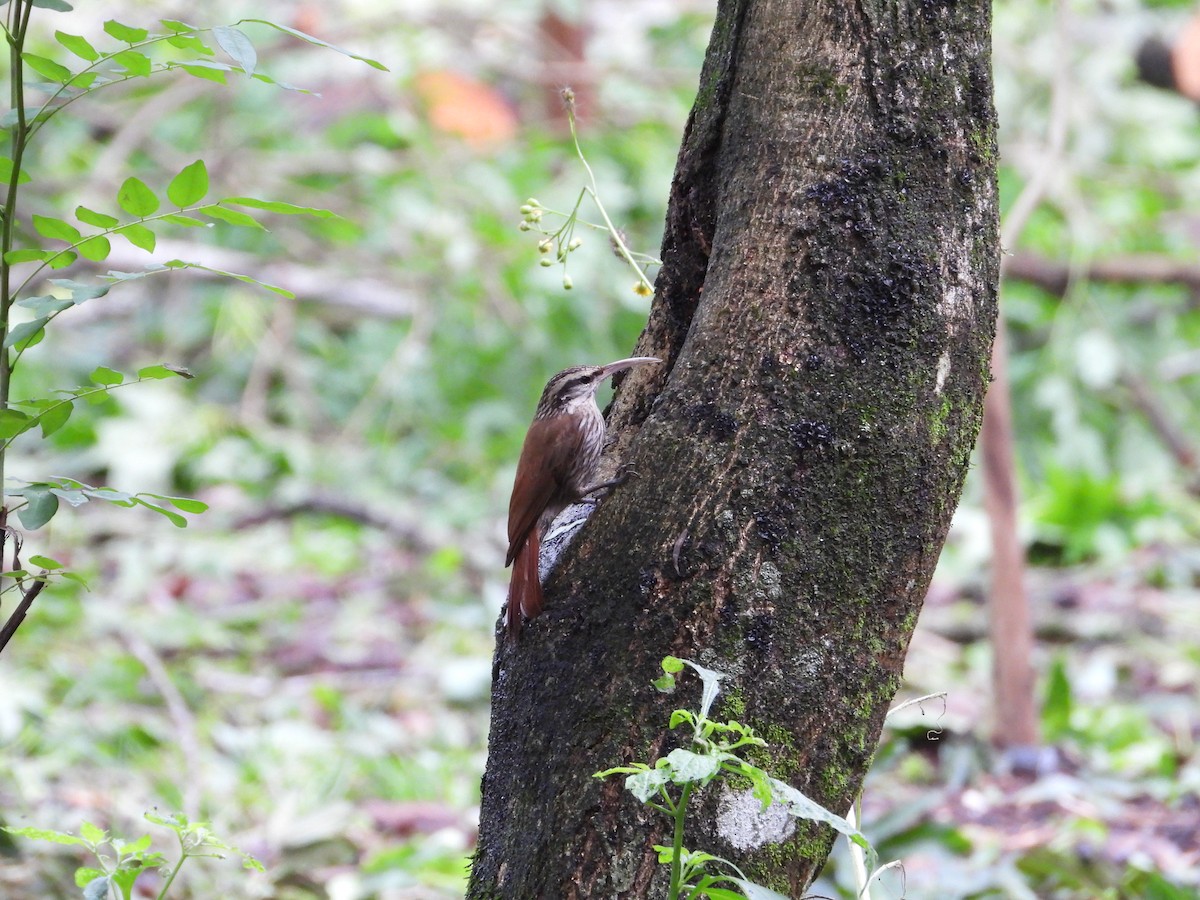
(525, 587)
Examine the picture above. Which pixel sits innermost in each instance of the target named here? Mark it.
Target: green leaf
(91, 217)
(186, 221)
(278, 206)
(55, 417)
(56, 229)
(43, 834)
(177, 26)
(672, 665)
(27, 334)
(62, 259)
(136, 198)
(238, 46)
(55, 5)
(645, 785)
(664, 684)
(232, 216)
(44, 562)
(86, 875)
(98, 889)
(1058, 703)
(187, 504)
(136, 64)
(77, 45)
(72, 495)
(318, 42)
(716, 893)
(181, 264)
(47, 68)
(6, 167)
(12, 116)
(40, 507)
(209, 71)
(138, 235)
(12, 257)
(95, 248)
(189, 42)
(121, 498)
(190, 186)
(688, 766)
(163, 371)
(105, 375)
(175, 518)
(125, 33)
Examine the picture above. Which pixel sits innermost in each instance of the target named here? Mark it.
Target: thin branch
(1055, 277)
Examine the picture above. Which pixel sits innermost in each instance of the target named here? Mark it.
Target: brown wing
(550, 446)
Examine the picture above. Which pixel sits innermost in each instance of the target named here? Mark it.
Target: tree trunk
(825, 310)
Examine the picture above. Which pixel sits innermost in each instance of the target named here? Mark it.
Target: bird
(558, 461)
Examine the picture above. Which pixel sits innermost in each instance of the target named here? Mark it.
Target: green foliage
(668, 785)
(84, 71)
(120, 863)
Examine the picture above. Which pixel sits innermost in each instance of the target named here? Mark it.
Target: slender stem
(175, 871)
(677, 843)
(618, 242)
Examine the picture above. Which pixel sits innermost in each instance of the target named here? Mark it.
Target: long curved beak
(622, 364)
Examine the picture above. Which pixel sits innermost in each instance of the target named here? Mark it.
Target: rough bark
(825, 308)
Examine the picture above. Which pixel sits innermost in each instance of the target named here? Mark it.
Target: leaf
(47, 68)
(12, 257)
(181, 264)
(672, 665)
(105, 375)
(711, 679)
(11, 117)
(752, 891)
(209, 71)
(73, 496)
(802, 807)
(1058, 703)
(136, 64)
(187, 504)
(138, 235)
(162, 371)
(175, 518)
(177, 26)
(77, 45)
(55, 416)
(45, 306)
(6, 167)
(56, 229)
(55, 5)
(97, 889)
(13, 422)
(187, 221)
(189, 42)
(61, 259)
(238, 46)
(95, 248)
(40, 507)
(27, 334)
(43, 834)
(190, 186)
(232, 216)
(374, 64)
(85, 875)
(125, 33)
(137, 199)
(91, 217)
(664, 684)
(80, 292)
(278, 206)
(645, 785)
(111, 496)
(45, 562)
(689, 766)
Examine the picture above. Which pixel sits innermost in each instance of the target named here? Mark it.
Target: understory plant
(50, 259)
(714, 753)
(120, 863)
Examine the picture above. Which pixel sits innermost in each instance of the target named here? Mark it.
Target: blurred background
(307, 666)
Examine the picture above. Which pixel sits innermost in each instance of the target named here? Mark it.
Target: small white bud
(545, 262)
(567, 283)
(575, 244)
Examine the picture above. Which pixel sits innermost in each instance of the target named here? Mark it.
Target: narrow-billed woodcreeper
(556, 467)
